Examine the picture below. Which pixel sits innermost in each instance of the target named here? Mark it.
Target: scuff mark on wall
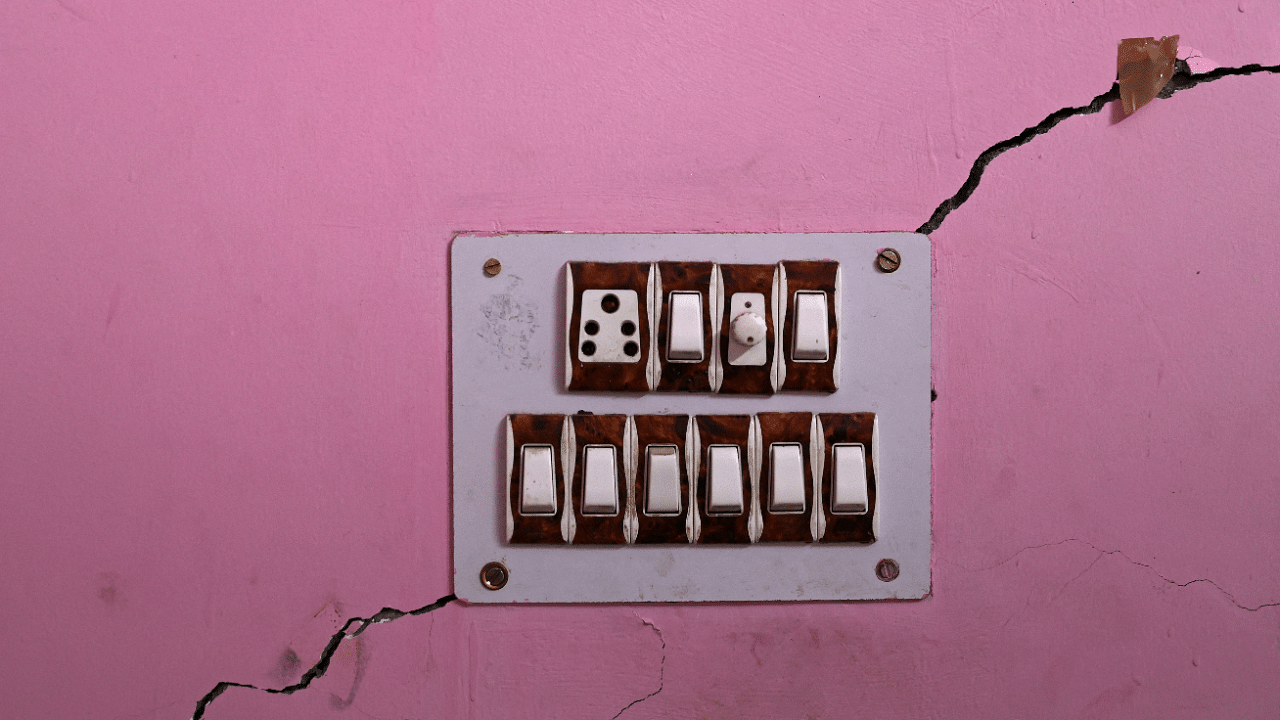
(510, 324)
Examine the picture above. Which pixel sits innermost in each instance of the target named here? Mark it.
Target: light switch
(685, 335)
(724, 489)
(786, 470)
(810, 340)
(849, 490)
(600, 480)
(662, 494)
(537, 480)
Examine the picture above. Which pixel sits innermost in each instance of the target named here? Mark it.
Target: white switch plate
(507, 352)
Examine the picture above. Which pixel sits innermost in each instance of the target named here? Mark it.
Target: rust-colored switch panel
(686, 344)
(726, 467)
(810, 342)
(608, 328)
(598, 475)
(662, 497)
(535, 478)
(785, 500)
(848, 478)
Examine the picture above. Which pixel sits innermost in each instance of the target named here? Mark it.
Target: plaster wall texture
(224, 389)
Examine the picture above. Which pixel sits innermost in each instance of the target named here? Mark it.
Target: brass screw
(888, 260)
(492, 267)
(494, 575)
(887, 570)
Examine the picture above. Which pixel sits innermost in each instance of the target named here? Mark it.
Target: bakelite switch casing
(819, 280)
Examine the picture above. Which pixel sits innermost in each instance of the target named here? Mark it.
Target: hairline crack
(662, 668)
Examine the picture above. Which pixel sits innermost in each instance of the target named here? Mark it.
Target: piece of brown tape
(1143, 68)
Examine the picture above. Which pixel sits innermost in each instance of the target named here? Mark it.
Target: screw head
(494, 575)
(887, 570)
(492, 267)
(888, 260)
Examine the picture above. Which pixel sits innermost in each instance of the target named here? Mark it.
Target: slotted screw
(494, 575)
(888, 260)
(887, 570)
(492, 267)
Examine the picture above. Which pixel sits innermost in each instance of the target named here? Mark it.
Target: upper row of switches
(703, 327)
(615, 479)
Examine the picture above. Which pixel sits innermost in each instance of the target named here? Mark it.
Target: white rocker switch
(600, 480)
(724, 486)
(685, 333)
(786, 469)
(537, 480)
(849, 480)
(662, 494)
(810, 341)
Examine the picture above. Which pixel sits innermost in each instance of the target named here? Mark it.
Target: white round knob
(748, 329)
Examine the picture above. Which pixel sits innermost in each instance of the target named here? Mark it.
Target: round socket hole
(610, 303)
(628, 328)
(631, 349)
(746, 304)
(592, 327)
(588, 348)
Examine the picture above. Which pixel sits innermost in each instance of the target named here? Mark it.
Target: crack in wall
(1182, 79)
(1101, 552)
(662, 669)
(384, 615)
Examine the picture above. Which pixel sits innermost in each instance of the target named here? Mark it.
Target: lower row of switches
(590, 479)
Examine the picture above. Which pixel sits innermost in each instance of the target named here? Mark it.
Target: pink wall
(223, 385)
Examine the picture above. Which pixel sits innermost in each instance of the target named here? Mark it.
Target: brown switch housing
(810, 276)
(790, 429)
(606, 430)
(747, 379)
(539, 431)
(849, 428)
(724, 430)
(663, 433)
(674, 376)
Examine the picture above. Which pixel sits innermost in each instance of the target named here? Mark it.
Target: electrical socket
(609, 326)
(609, 329)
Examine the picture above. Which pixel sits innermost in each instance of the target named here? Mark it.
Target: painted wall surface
(223, 355)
